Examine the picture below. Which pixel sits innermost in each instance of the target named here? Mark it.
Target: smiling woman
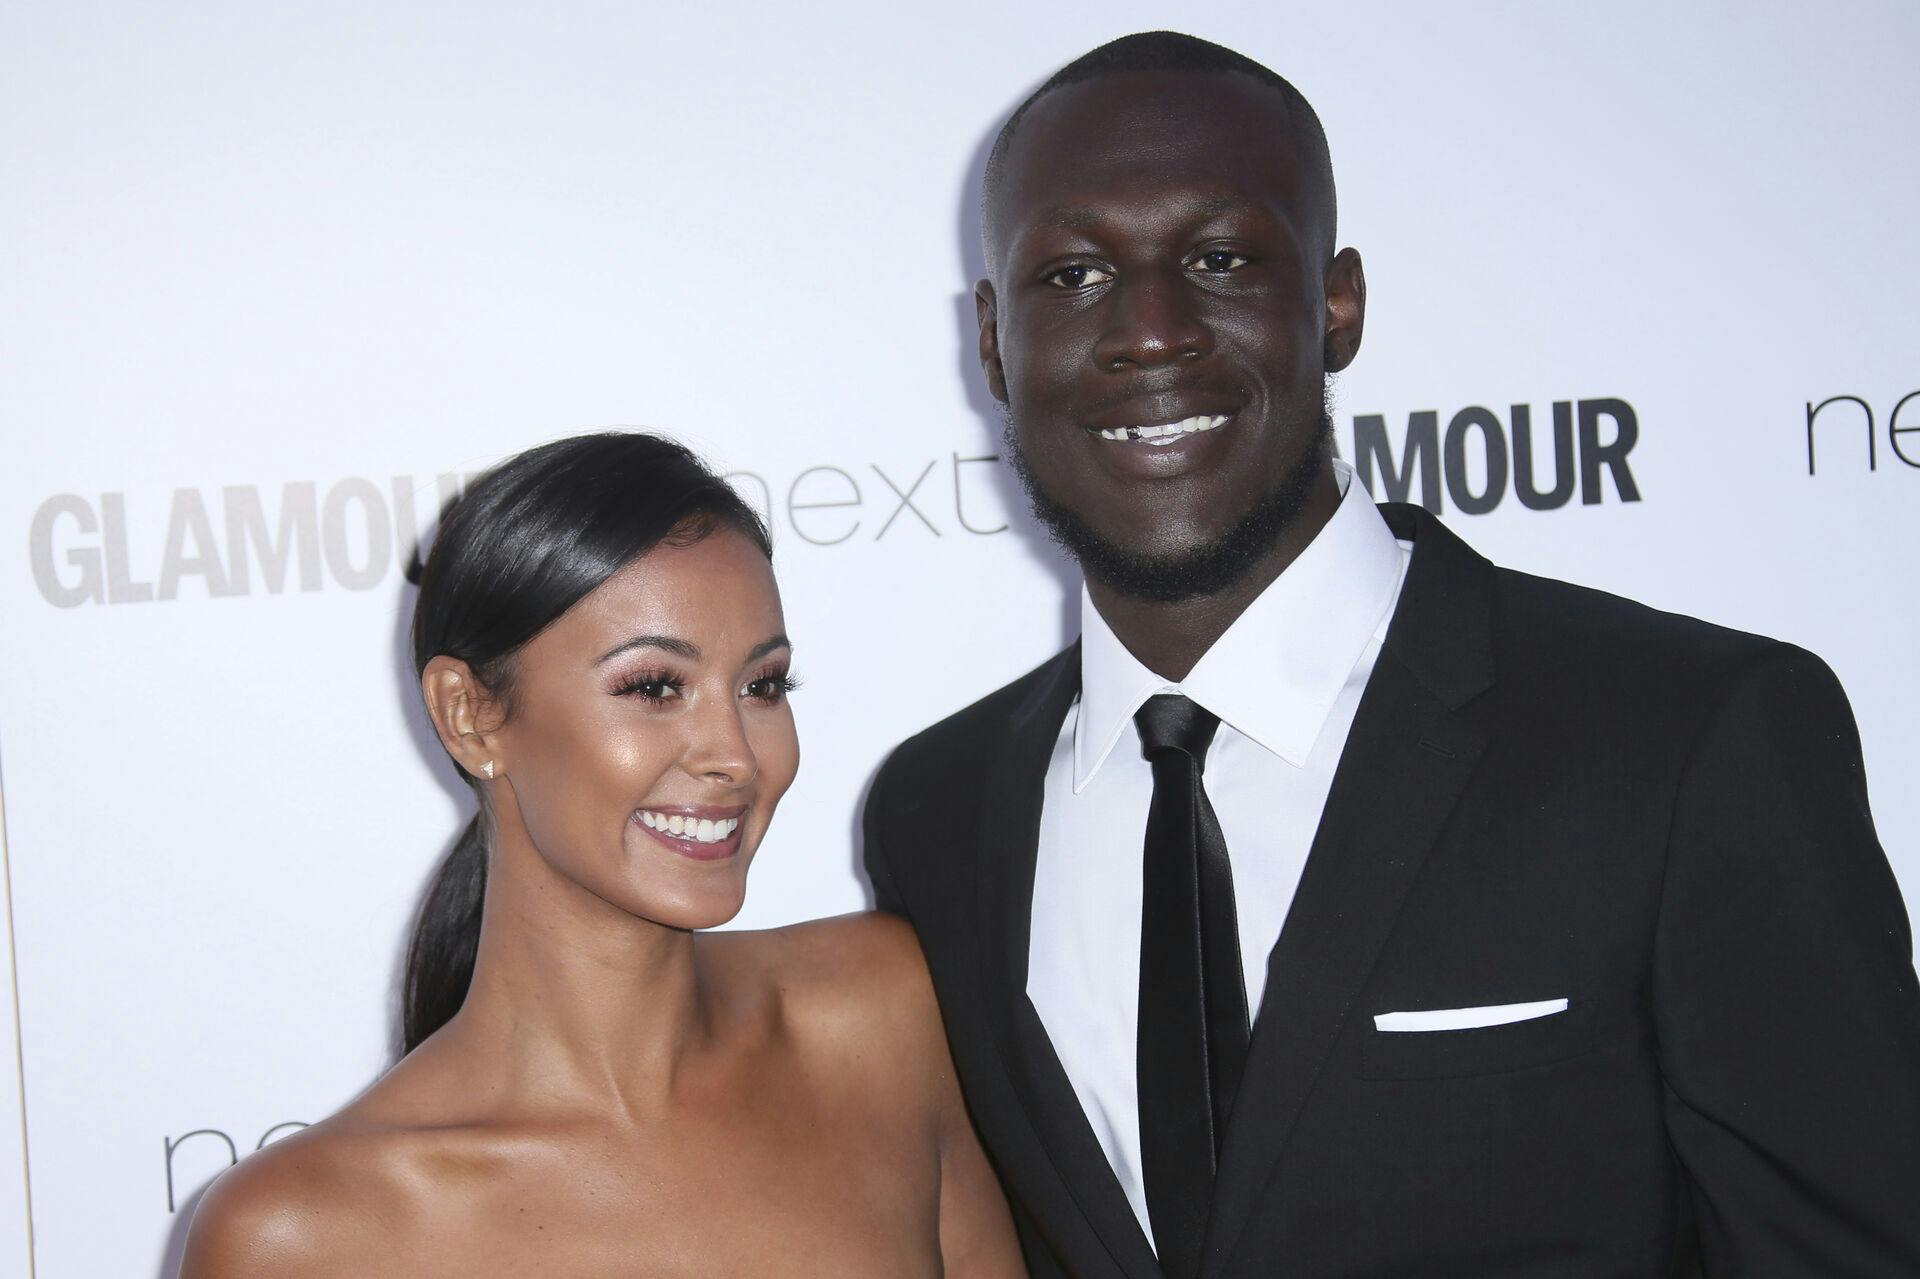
(569, 524)
(592, 1085)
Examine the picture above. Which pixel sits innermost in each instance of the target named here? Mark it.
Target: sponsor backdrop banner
(279, 277)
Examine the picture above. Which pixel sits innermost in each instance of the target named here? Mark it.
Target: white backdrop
(273, 270)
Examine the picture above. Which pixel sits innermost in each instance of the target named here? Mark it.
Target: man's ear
(984, 311)
(465, 716)
(1346, 309)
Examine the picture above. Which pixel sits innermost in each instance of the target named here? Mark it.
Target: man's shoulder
(969, 739)
(1561, 621)
(1556, 643)
(1546, 614)
(929, 796)
(1566, 649)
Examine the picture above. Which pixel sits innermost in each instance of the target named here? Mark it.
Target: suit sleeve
(886, 892)
(1786, 1003)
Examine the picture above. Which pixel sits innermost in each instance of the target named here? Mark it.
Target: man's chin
(1204, 569)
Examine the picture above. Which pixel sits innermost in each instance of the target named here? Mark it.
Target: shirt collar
(1276, 672)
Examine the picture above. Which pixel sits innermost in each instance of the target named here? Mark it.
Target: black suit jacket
(1547, 792)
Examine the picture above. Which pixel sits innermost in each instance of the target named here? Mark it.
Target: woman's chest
(775, 1185)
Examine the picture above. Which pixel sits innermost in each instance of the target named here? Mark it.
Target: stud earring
(487, 768)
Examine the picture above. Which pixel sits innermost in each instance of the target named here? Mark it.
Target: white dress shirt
(1285, 680)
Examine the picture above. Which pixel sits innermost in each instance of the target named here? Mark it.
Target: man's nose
(1151, 319)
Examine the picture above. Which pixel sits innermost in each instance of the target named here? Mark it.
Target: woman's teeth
(1168, 432)
(700, 830)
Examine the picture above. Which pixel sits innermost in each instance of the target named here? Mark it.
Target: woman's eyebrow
(684, 648)
(667, 643)
(765, 646)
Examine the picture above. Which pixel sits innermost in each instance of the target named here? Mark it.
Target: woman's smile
(704, 832)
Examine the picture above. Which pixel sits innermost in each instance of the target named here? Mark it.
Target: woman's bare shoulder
(306, 1205)
(330, 1199)
(854, 984)
(869, 962)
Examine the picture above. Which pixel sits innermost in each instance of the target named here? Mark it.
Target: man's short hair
(1169, 51)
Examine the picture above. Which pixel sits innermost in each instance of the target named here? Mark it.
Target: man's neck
(1169, 638)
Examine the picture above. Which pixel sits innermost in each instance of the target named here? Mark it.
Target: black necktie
(1192, 1043)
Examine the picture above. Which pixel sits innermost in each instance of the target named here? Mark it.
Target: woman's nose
(719, 748)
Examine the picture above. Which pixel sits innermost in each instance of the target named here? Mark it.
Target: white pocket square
(1468, 1018)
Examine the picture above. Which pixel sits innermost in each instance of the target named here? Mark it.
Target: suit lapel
(1413, 744)
(1006, 852)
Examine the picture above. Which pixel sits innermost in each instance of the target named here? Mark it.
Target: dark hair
(526, 542)
(1167, 51)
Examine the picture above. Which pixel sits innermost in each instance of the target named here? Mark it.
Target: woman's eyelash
(653, 686)
(783, 683)
(657, 686)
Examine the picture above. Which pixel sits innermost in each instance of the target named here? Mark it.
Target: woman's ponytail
(445, 939)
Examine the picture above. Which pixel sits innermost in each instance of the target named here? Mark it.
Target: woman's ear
(465, 716)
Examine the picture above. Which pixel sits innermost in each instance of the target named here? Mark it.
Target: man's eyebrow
(666, 643)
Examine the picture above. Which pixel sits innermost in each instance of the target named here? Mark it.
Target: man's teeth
(1166, 432)
(701, 830)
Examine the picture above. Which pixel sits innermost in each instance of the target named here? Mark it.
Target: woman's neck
(573, 997)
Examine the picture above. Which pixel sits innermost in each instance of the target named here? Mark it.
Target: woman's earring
(487, 768)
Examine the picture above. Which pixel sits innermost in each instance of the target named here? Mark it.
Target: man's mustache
(1122, 397)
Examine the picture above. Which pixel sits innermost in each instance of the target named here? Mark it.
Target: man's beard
(1204, 570)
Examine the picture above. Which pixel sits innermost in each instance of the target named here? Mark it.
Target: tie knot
(1169, 721)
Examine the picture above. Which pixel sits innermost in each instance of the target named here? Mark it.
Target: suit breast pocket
(1481, 1050)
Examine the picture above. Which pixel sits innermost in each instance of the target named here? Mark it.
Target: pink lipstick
(703, 832)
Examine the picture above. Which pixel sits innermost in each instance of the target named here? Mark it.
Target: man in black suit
(1580, 954)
